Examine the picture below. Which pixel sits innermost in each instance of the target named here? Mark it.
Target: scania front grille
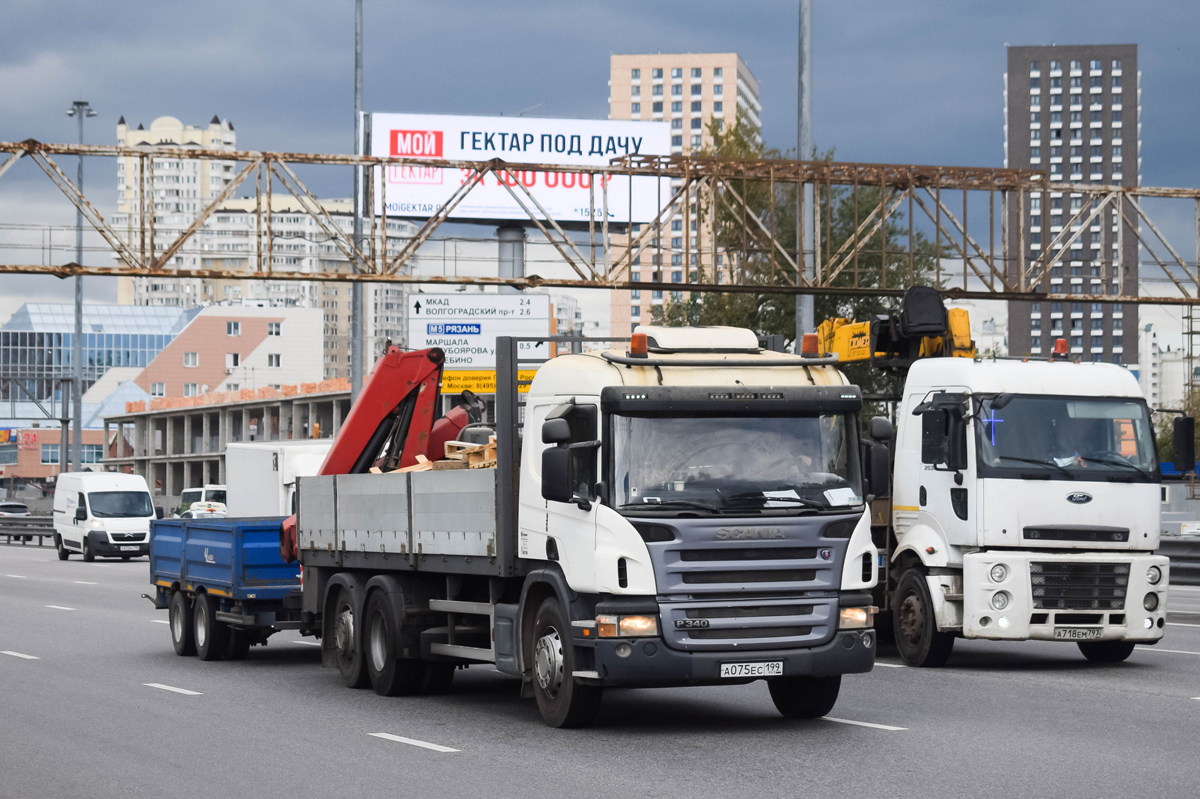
(1079, 586)
(753, 624)
(748, 576)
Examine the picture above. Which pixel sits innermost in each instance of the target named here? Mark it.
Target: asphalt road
(81, 655)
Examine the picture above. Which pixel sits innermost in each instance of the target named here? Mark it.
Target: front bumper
(100, 546)
(1030, 618)
(651, 663)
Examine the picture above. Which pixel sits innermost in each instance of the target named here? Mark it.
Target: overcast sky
(893, 81)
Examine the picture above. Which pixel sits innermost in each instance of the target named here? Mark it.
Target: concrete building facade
(1075, 111)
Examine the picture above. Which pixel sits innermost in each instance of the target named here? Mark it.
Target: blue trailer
(224, 583)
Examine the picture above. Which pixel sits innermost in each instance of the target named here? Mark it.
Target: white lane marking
(58, 607)
(412, 742)
(1172, 651)
(866, 724)
(83, 582)
(18, 655)
(183, 691)
(308, 643)
(891, 665)
(17, 576)
(161, 621)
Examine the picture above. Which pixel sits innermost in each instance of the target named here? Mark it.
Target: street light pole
(80, 110)
(356, 290)
(805, 322)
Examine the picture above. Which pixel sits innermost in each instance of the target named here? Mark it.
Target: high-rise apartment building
(1074, 111)
(688, 90)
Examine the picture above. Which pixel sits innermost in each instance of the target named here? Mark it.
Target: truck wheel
(237, 645)
(1105, 651)
(562, 701)
(804, 697)
(211, 635)
(389, 676)
(917, 636)
(183, 631)
(350, 661)
(88, 557)
(63, 554)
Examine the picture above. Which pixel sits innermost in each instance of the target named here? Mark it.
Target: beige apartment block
(688, 91)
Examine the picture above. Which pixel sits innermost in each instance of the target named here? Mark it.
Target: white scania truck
(1025, 501)
(688, 512)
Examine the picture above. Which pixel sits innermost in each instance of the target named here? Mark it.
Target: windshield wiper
(687, 503)
(1137, 469)
(1062, 469)
(756, 495)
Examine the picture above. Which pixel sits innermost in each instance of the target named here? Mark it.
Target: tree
(768, 312)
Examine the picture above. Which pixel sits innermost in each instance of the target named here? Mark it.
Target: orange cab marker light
(1060, 349)
(809, 345)
(638, 346)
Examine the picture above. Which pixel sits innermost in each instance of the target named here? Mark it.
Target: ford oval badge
(1079, 497)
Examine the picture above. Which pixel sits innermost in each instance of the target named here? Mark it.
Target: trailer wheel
(211, 635)
(917, 636)
(350, 661)
(88, 557)
(63, 554)
(183, 631)
(561, 701)
(804, 697)
(1105, 651)
(389, 676)
(237, 645)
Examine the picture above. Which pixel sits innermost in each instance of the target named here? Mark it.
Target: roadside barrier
(1184, 552)
(23, 529)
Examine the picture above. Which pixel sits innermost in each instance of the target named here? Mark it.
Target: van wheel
(63, 554)
(917, 636)
(351, 663)
(88, 557)
(805, 697)
(183, 631)
(562, 701)
(211, 635)
(1105, 651)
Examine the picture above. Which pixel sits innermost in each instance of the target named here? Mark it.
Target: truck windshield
(120, 504)
(734, 464)
(1073, 438)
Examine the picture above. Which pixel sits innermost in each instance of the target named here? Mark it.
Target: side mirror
(81, 514)
(158, 511)
(1184, 436)
(934, 428)
(878, 470)
(556, 431)
(881, 428)
(556, 474)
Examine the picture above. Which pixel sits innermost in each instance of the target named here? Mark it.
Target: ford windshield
(731, 464)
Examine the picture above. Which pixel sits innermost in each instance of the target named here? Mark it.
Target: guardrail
(1184, 552)
(23, 529)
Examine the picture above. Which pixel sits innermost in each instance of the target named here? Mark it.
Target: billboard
(572, 144)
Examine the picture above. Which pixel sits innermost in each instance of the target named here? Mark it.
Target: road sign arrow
(417, 306)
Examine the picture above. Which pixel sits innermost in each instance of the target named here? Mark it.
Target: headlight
(1150, 603)
(1153, 575)
(999, 573)
(96, 524)
(1000, 600)
(606, 626)
(856, 618)
(639, 626)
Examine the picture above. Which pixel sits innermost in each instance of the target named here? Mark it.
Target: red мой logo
(418, 143)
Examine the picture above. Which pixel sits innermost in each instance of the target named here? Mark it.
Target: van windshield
(120, 504)
(215, 495)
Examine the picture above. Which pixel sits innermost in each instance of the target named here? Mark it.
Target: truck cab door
(570, 471)
(946, 495)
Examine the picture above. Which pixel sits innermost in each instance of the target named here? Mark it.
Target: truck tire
(804, 697)
(389, 676)
(237, 645)
(88, 557)
(562, 701)
(211, 635)
(351, 663)
(63, 554)
(917, 636)
(1105, 651)
(183, 630)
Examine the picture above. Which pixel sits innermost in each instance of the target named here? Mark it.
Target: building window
(233, 387)
(677, 108)
(696, 72)
(1116, 64)
(49, 453)
(1056, 117)
(233, 328)
(232, 360)
(657, 73)
(191, 389)
(1116, 83)
(1075, 66)
(676, 141)
(92, 453)
(191, 359)
(635, 74)
(718, 90)
(1035, 83)
(1055, 83)
(720, 123)
(1096, 116)
(1035, 117)
(1035, 341)
(635, 294)
(718, 107)
(696, 107)
(677, 90)
(158, 389)
(656, 91)
(636, 108)
(1116, 152)
(718, 72)
(635, 91)
(635, 312)
(1095, 63)
(1055, 66)
(676, 124)
(696, 123)
(1116, 117)
(1035, 307)
(1035, 152)
(1035, 324)
(1096, 82)
(273, 360)
(677, 72)
(697, 89)
(1033, 66)
(695, 141)
(656, 108)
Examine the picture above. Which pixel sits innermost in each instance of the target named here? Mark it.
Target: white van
(209, 493)
(102, 513)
